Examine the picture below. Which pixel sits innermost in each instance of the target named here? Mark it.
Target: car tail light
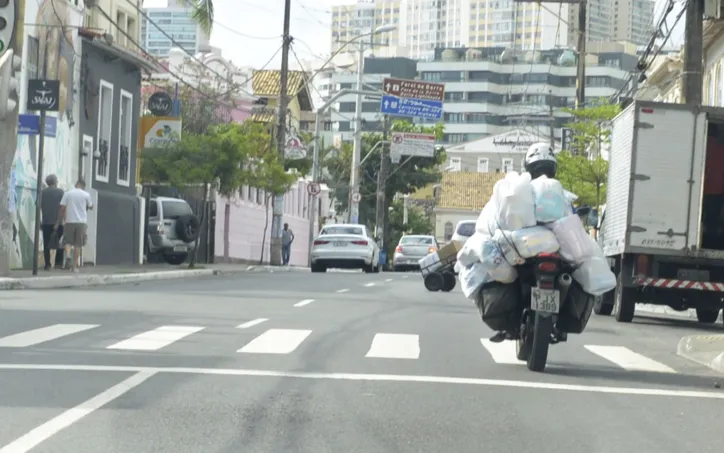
(548, 266)
(431, 250)
(398, 249)
(320, 242)
(359, 242)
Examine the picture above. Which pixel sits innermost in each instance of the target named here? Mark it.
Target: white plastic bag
(496, 264)
(429, 263)
(473, 277)
(513, 197)
(488, 219)
(506, 247)
(530, 242)
(576, 244)
(595, 276)
(472, 251)
(550, 200)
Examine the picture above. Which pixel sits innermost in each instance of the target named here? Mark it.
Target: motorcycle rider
(539, 161)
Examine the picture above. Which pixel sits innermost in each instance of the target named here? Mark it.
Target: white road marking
(342, 290)
(252, 323)
(369, 284)
(395, 346)
(304, 302)
(501, 352)
(638, 391)
(629, 360)
(155, 339)
(404, 276)
(53, 426)
(276, 341)
(388, 279)
(37, 336)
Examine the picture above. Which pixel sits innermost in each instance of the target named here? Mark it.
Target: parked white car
(463, 230)
(345, 246)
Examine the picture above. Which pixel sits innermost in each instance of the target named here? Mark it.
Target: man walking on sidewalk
(74, 208)
(287, 239)
(50, 207)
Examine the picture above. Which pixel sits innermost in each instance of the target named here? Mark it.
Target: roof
(466, 191)
(424, 193)
(267, 83)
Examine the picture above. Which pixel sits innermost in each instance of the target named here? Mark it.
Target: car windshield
(342, 230)
(466, 229)
(175, 209)
(416, 240)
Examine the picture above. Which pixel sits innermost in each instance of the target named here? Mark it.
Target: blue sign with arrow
(416, 108)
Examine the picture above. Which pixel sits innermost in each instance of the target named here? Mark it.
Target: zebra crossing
(279, 341)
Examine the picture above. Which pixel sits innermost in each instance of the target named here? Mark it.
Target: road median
(707, 350)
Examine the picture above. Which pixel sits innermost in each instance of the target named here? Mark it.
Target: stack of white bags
(523, 219)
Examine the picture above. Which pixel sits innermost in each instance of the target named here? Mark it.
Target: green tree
(584, 176)
(418, 222)
(407, 176)
(589, 126)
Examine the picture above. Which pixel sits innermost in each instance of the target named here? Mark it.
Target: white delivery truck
(662, 229)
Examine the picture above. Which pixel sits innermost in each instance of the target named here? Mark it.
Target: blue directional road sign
(412, 98)
(416, 108)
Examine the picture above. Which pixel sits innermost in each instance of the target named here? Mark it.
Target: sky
(249, 31)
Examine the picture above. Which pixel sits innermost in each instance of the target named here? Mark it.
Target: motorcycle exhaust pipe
(564, 283)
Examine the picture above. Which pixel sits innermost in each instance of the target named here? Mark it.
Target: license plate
(545, 300)
(179, 248)
(696, 275)
(339, 244)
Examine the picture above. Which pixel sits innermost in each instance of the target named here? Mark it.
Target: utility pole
(552, 120)
(581, 68)
(382, 176)
(693, 53)
(275, 242)
(357, 150)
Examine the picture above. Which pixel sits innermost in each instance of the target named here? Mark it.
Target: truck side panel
(665, 191)
(613, 233)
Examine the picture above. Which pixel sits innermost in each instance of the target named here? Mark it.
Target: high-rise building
(176, 21)
(350, 21)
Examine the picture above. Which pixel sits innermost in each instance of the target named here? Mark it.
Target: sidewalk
(110, 275)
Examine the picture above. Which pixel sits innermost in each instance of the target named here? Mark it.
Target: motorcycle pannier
(576, 312)
(499, 305)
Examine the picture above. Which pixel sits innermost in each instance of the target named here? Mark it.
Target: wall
(60, 155)
(240, 233)
(117, 212)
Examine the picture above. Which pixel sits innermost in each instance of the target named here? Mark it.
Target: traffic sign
(314, 189)
(414, 89)
(417, 108)
(8, 19)
(412, 144)
(356, 197)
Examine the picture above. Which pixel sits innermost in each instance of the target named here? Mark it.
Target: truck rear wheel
(624, 305)
(604, 304)
(707, 316)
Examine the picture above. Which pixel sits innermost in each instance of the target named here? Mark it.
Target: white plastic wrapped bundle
(595, 276)
(497, 266)
(576, 245)
(429, 263)
(473, 277)
(511, 207)
(551, 202)
(530, 242)
(472, 251)
(506, 247)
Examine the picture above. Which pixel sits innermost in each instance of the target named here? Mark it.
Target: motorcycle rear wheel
(541, 340)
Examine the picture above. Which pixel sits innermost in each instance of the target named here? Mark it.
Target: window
(342, 230)
(466, 229)
(507, 165)
(482, 165)
(124, 139)
(416, 240)
(175, 209)
(456, 164)
(105, 116)
(153, 209)
(448, 231)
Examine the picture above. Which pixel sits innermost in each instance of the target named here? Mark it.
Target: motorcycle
(551, 300)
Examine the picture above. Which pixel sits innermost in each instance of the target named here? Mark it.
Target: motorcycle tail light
(548, 266)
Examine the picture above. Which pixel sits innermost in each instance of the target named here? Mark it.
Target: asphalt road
(336, 362)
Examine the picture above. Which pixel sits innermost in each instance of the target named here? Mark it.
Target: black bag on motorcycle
(576, 311)
(500, 305)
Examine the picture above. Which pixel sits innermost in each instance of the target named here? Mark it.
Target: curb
(707, 350)
(78, 281)
(268, 268)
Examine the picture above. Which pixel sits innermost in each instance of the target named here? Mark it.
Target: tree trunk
(202, 221)
(227, 220)
(266, 227)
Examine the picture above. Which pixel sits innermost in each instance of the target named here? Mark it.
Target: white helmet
(540, 160)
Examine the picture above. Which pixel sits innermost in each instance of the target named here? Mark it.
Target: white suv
(463, 230)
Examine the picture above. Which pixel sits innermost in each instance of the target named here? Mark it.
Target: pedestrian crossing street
(275, 341)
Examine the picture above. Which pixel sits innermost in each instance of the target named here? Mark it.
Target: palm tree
(204, 14)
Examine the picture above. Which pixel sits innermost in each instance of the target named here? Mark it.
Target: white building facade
(176, 21)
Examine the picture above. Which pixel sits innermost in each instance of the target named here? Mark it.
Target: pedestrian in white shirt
(74, 208)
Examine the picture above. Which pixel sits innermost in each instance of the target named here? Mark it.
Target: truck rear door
(665, 191)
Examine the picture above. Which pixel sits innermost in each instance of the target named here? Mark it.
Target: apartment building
(125, 26)
(176, 21)
(489, 91)
(361, 18)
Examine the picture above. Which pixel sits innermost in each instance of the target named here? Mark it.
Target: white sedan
(345, 246)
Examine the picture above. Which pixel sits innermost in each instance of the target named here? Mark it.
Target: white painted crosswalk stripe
(629, 360)
(394, 346)
(276, 341)
(43, 334)
(155, 339)
(252, 323)
(503, 353)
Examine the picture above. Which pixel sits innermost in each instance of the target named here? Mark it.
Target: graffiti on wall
(50, 52)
